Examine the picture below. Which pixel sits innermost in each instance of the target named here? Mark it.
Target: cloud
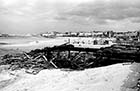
(61, 18)
(40, 15)
(101, 11)
(135, 20)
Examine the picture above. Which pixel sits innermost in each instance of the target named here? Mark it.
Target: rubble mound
(70, 57)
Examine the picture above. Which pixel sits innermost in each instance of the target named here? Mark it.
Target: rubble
(70, 57)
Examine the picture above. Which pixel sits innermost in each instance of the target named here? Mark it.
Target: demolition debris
(70, 57)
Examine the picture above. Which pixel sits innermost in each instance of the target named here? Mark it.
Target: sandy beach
(117, 77)
(132, 83)
(69, 45)
(110, 78)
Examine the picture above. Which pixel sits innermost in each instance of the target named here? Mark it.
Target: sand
(109, 78)
(115, 77)
(130, 84)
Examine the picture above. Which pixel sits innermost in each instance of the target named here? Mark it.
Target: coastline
(115, 77)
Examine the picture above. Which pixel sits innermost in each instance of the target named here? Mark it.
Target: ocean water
(29, 43)
(18, 40)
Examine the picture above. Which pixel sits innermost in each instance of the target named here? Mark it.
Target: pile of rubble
(70, 57)
(40, 61)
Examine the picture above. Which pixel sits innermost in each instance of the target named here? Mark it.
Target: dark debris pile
(71, 57)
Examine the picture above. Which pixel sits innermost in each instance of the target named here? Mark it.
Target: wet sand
(130, 84)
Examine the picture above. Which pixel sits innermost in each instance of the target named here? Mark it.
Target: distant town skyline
(36, 16)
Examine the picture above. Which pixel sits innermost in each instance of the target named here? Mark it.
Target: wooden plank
(27, 55)
(49, 61)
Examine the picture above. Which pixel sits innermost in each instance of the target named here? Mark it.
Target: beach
(110, 78)
(117, 77)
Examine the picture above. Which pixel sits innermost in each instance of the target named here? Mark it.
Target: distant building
(4, 35)
(108, 34)
(60, 35)
(88, 34)
(74, 34)
(48, 34)
(98, 34)
(81, 34)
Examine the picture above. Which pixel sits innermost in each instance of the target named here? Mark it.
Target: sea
(29, 43)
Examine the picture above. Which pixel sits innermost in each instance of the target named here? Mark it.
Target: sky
(38, 16)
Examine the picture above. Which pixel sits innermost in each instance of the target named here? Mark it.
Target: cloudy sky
(35, 16)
